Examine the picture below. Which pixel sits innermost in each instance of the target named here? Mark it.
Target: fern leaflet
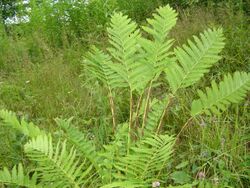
(217, 98)
(28, 129)
(79, 141)
(163, 21)
(57, 166)
(157, 51)
(146, 159)
(17, 177)
(154, 116)
(195, 59)
(123, 37)
(99, 64)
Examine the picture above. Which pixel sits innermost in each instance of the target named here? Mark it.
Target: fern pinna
(140, 149)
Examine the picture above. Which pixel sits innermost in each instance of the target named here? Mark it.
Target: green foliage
(192, 62)
(63, 22)
(158, 26)
(8, 8)
(113, 152)
(57, 166)
(17, 177)
(183, 68)
(135, 10)
(79, 141)
(157, 50)
(146, 160)
(232, 89)
(98, 62)
(180, 177)
(155, 115)
(123, 36)
(28, 129)
(195, 60)
(138, 152)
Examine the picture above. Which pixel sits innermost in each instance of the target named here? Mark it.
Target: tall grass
(40, 64)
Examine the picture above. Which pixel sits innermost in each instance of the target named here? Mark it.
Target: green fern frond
(126, 184)
(157, 50)
(118, 145)
(83, 146)
(163, 21)
(56, 166)
(182, 186)
(217, 98)
(17, 177)
(154, 116)
(157, 55)
(123, 37)
(28, 129)
(195, 59)
(98, 63)
(112, 152)
(146, 160)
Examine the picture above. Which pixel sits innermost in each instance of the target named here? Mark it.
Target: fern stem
(184, 127)
(138, 111)
(130, 120)
(146, 106)
(112, 108)
(164, 114)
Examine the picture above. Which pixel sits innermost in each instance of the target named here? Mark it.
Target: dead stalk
(138, 111)
(164, 114)
(146, 105)
(130, 120)
(184, 127)
(112, 108)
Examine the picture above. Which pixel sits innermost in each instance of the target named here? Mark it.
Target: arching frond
(195, 59)
(157, 50)
(17, 177)
(123, 37)
(98, 63)
(83, 146)
(28, 129)
(112, 152)
(126, 184)
(217, 98)
(56, 166)
(163, 21)
(146, 159)
(154, 116)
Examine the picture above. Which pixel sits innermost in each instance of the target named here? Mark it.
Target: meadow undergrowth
(39, 80)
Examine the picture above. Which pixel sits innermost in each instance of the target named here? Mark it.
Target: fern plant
(140, 149)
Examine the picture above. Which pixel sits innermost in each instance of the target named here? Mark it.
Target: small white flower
(156, 184)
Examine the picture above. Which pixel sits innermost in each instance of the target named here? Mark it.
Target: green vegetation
(119, 100)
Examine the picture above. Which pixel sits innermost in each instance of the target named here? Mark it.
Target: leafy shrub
(139, 151)
(64, 22)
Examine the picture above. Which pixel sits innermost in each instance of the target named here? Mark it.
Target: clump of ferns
(140, 150)
(136, 62)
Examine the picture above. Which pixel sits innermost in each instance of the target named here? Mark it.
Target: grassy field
(43, 77)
